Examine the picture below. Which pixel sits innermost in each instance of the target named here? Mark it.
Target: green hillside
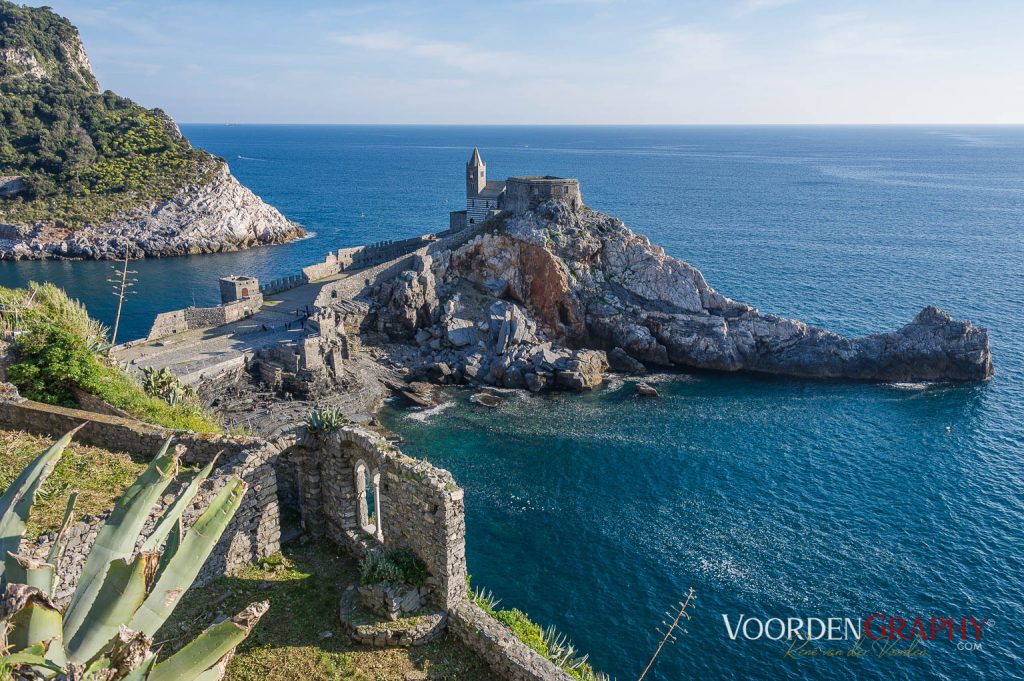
(68, 152)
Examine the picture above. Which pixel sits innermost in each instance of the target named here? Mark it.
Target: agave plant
(123, 596)
(485, 598)
(165, 385)
(561, 651)
(325, 420)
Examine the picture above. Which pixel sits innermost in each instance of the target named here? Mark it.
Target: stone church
(516, 194)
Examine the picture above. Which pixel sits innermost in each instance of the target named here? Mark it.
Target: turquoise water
(771, 497)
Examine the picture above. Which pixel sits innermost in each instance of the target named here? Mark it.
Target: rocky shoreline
(217, 215)
(548, 299)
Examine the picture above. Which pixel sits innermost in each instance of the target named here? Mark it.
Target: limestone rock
(619, 360)
(555, 285)
(216, 216)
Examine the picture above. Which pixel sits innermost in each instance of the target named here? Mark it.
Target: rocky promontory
(554, 296)
(216, 215)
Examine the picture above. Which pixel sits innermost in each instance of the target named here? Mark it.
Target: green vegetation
(163, 384)
(325, 420)
(548, 642)
(82, 155)
(121, 598)
(98, 475)
(58, 349)
(301, 637)
(396, 567)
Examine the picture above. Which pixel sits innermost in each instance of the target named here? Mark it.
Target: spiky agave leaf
(22, 569)
(173, 513)
(33, 618)
(65, 523)
(199, 656)
(119, 534)
(16, 502)
(122, 592)
(195, 548)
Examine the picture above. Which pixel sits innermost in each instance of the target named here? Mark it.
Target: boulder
(645, 390)
(619, 360)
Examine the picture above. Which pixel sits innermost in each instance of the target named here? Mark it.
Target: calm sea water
(771, 497)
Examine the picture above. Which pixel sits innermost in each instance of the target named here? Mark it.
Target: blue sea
(771, 497)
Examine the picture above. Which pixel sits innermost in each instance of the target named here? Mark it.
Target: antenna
(121, 287)
(668, 635)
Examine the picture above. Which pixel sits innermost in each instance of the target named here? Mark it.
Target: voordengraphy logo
(878, 634)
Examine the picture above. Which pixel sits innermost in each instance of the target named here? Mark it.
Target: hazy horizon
(563, 62)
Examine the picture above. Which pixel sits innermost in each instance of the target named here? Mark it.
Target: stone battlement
(526, 193)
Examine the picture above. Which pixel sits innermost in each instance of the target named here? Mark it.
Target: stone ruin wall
(253, 533)
(419, 508)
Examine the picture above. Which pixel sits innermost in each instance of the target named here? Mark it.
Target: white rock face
(218, 216)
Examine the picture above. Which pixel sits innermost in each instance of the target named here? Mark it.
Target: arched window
(245, 293)
(368, 500)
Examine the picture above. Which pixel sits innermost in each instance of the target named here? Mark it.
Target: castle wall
(526, 193)
(178, 321)
(329, 266)
(167, 323)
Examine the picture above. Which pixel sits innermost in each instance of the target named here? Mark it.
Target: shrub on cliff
(52, 361)
(548, 642)
(57, 348)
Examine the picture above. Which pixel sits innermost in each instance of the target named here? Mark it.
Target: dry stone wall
(509, 657)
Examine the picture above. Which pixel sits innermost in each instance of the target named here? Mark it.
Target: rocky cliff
(216, 215)
(553, 296)
(90, 174)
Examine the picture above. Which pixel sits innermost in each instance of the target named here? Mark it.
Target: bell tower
(476, 175)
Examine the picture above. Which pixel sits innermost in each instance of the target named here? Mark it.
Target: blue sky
(562, 61)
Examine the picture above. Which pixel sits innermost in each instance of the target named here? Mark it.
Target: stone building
(238, 287)
(485, 198)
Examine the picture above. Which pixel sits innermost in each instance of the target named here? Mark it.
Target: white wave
(425, 414)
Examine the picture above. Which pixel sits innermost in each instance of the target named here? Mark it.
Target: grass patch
(123, 391)
(304, 587)
(100, 476)
(397, 567)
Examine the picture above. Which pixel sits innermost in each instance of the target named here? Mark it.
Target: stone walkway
(203, 354)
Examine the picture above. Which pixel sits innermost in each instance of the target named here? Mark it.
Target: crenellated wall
(526, 193)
